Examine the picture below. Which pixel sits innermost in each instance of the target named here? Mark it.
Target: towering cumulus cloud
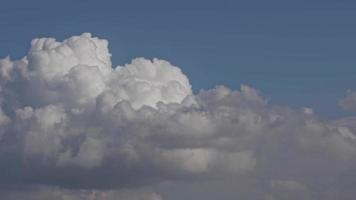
(72, 126)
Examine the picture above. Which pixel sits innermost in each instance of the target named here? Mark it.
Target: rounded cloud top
(78, 72)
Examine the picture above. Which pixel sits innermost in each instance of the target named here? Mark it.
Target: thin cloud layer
(54, 193)
(73, 126)
(349, 101)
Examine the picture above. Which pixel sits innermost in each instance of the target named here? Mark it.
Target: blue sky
(71, 127)
(298, 53)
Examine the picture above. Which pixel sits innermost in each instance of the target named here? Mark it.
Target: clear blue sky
(298, 53)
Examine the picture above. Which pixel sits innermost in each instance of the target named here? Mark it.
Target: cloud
(75, 125)
(55, 193)
(349, 101)
(286, 189)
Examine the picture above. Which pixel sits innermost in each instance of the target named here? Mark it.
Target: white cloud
(70, 120)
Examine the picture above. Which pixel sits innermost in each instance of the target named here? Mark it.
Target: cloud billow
(72, 126)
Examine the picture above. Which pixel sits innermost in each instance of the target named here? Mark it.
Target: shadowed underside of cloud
(74, 127)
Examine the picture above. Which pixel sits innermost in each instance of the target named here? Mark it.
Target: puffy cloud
(73, 123)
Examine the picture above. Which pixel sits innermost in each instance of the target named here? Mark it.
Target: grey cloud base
(74, 127)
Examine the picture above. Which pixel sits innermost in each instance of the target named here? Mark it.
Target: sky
(298, 53)
(171, 100)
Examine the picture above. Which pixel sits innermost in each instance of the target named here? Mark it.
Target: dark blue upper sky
(298, 53)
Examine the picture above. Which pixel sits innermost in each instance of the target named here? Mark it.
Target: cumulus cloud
(83, 129)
